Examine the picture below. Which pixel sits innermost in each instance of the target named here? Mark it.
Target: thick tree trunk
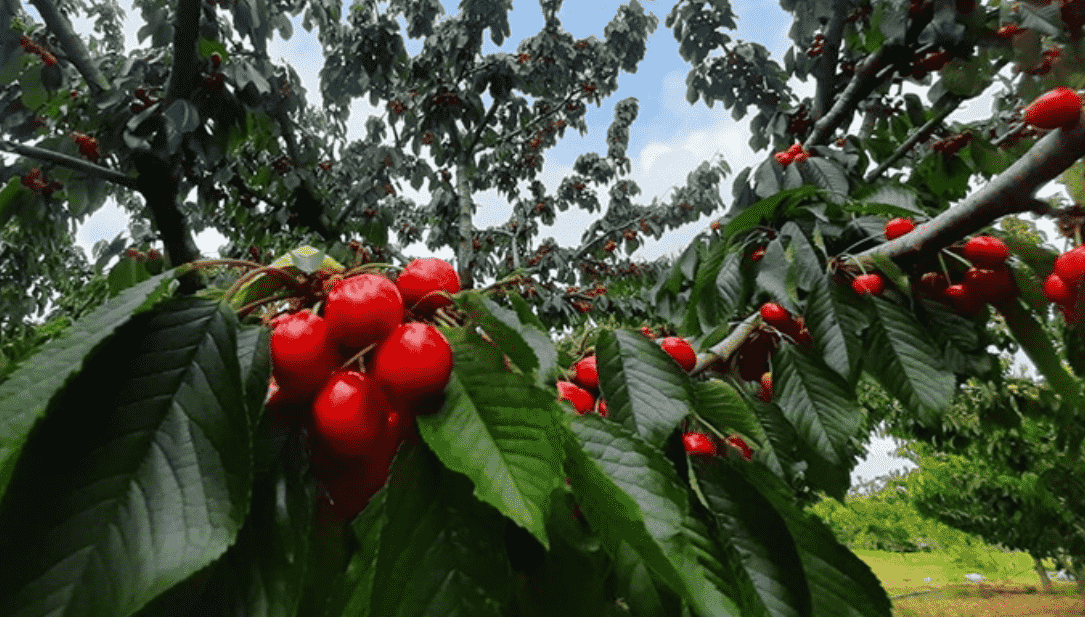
(1045, 582)
(465, 256)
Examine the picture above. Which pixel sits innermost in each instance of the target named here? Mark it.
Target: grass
(903, 573)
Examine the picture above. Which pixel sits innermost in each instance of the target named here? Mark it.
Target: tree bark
(465, 255)
(1045, 582)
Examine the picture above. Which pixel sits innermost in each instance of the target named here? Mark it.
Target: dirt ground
(992, 601)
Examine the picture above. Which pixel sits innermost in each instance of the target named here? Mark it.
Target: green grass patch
(902, 573)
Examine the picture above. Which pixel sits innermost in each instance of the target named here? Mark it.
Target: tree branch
(825, 71)
(952, 102)
(186, 30)
(1010, 193)
(72, 44)
(70, 162)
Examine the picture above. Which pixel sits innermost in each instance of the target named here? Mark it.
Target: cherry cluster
(1061, 286)
(357, 375)
(988, 281)
(88, 146)
(700, 444)
(33, 181)
(794, 154)
(47, 58)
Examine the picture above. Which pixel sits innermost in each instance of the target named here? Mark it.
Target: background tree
(201, 492)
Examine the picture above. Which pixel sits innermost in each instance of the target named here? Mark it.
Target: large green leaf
(528, 347)
(254, 356)
(718, 402)
(498, 429)
(836, 325)
(777, 278)
(759, 534)
(138, 475)
(840, 583)
(630, 492)
(1037, 345)
(645, 389)
(25, 394)
(441, 552)
(816, 401)
(900, 354)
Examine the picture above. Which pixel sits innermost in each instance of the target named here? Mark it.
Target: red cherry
(302, 353)
(581, 399)
(765, 393)
(646, 331)
(351, 413)
(740, 444)
(363, 310)
(933, 283)
(587, 374)
(216, 59)
(800, 157)
(1056, 108)
(1070, 266)
(986, 252)
(414, 363)
(681, 351)
(992, 286)
(871, 284)
(421, 279)
(963, 299)
(757, 254)
(603, 411)
(1056, 290)
(898, 227)
(698, 444)
(783, 158)
(795, 149)
(775, 315)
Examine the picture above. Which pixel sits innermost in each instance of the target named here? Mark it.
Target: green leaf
(644, 387)
(630, 492)
(827, 174)
(767, 210)
(840, 583)
(116, 501)
(498, 429)
(254, 356)
(775, 277)
(528, 347)
(719, 403)
(1038, 347)
(758, 533)
(906, 362)
(635, 582)
(27, 392)
(126, 273)
(441, 552)
(836, 325)
(817, 402)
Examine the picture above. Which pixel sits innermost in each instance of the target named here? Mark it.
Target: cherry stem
(278, 273)
(370, 266)
(945, 269)
(357, 357)
(245, 310)
(211, 263)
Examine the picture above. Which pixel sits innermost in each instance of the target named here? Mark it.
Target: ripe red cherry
(992, 286)
(698, 444)
(963, 299)
(1070, 266)
(681, 351)
(421, 279)
(363, 310)
(581, 399)
(646, 331)
(216, 59)
(898, 227)
(738, 443)
(414, 362)
(933, 283)
(351, 413)
(775, 315)
(587, 373)
(765, 393)
(986, 252)
(1054, 109)
(871, 284)
(302, 353)
(757, 254)
(795, 149)
(1056, 290)
(783, 158)
(603, 411)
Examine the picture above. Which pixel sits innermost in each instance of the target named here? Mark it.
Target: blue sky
(668, 140)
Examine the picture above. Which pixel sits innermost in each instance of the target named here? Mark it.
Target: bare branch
(952, 102)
